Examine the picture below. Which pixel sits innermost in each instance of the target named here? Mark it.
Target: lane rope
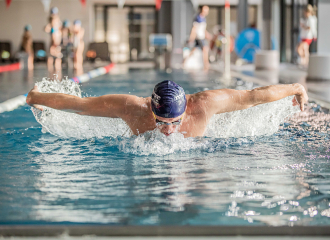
(13, 103)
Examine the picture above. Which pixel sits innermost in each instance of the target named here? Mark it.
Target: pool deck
(318, 90)
(162, 231)
(15, 83)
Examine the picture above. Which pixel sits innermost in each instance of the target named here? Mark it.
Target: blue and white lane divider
(13, 103)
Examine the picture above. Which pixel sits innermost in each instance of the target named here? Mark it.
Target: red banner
(83, 2)
(8, 2)
(10, 67)
(158, 4)
(227, 4)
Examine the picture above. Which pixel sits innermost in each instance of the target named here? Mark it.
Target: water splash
(260, 120)
(66, 124)
(156, 143)
(257, 121)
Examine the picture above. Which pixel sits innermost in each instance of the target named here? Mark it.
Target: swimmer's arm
(47, 28)
(276, 92)
(228, 100)
(192, 34)
(114, 106)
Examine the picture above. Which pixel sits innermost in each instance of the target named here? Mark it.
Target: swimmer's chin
(167, 133)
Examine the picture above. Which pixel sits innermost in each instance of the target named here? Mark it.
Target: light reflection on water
(282, 179)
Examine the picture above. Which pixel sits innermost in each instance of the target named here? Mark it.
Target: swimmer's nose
(169, 128)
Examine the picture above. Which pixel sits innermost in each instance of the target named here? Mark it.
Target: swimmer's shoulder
(204, 102)
(137, 106)
(205, 96)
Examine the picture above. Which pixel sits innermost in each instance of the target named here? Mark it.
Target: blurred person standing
(26, 46)
(198, 35)
(54, 29)
(314, 30)
(306, 35)
(78, 44)
(66, 42)
(66, 33)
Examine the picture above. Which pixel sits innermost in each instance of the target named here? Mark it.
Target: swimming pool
(82, 176)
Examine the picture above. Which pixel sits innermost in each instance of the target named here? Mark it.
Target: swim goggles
(160, 123)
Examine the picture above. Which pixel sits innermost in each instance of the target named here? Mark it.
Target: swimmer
(168, 109)
(27, 46)
(199, 35)
(54, 29)
(78, 44)
(306, 34)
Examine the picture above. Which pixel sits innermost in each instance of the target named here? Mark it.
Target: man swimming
(168, 109)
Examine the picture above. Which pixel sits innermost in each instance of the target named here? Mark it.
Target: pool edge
(244, 77)
(121, 231)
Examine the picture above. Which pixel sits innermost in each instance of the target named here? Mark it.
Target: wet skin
(137, 113)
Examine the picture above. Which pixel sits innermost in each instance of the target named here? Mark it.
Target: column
(313, 46)
(266, 43)
(267, 58)
(323, 45)
(182, 17)
(242, 15)
(295, 24)
(165, 18)
(283, 31)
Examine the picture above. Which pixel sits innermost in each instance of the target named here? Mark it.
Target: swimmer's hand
(29, 98)
(300, 97)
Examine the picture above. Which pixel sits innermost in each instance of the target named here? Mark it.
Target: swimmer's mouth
(167, 134)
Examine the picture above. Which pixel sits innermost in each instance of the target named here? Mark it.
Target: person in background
(306, 35)
(199, 35)
(217, 43)
(26, 46)
(314, 25)
(66, 33)
(78, 44)
(66, 42)
(54, 29)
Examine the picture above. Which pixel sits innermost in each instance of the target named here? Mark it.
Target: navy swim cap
(168, 100)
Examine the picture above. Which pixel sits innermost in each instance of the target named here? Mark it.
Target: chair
(98, 50)
(39, 49)
(5, 52)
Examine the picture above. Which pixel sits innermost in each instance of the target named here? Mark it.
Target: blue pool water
(70, 177)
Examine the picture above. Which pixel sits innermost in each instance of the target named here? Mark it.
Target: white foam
(260, 120)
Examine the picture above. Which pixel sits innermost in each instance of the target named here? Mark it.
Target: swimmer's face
(76, 27)
(168, 129)
(205, 10)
